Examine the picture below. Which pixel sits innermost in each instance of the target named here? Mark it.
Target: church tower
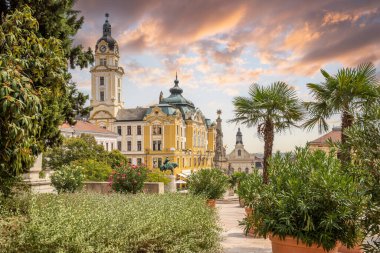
(106, 80)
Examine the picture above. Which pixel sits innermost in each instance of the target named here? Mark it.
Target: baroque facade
(240, 160)
(172, 128)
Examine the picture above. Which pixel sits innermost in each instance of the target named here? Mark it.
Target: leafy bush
(250, 187)
(116, 158)
(235, 178)
(210, 183)
(117, 223)
(94, 170)
(68, 178)
(309, 197)
(155, 175)
(128, 178)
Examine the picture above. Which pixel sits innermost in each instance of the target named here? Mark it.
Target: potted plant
(249, 190)
(234, 180)
(210, 183)
(310, 204)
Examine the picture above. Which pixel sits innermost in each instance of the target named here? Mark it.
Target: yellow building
(173, 128)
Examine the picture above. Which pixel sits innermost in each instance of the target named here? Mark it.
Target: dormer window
(103, 61)
(102, 80)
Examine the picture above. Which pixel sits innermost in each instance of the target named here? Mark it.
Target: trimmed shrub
(155, 175)
(68, 178)
(94, 170)
(117, 223)
(210, 183)
(128, 178)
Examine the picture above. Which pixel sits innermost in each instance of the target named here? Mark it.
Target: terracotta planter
(344, 249)
(290, 245)
(248, 212)
(211, 203)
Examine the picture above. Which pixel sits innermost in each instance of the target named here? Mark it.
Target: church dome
(176, 97)
(111, 42)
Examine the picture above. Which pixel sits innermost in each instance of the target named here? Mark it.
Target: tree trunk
(268, 140)
(344, 155)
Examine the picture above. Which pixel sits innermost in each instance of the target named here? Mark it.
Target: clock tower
(106, 80)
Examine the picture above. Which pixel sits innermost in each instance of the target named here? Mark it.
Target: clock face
(103, 48)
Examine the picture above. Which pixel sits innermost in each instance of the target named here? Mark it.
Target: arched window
(239, 152)
(157, 130)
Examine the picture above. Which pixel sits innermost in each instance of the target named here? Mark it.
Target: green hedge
(117, 223)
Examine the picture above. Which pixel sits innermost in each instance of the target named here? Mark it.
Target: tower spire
(106, 27)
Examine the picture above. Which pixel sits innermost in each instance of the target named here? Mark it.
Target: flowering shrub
(68, 178)
(128, 178)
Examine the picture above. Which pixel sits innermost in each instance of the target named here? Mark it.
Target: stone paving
(234, 240)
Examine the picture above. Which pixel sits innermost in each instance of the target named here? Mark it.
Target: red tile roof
(84, 126)
(334, 135)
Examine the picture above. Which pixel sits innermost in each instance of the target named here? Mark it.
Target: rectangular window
(103, 61)
(111, 145)
(138, 130)
(159, 162)
(116, 63)
(129, 130)
(107, 146)
(154, 162)
(118, 97)
(101, 80)
(154, 145)
(102, 96)
(158, 145)
(119, 130)
(130, 160)
(138, 145)
(119, 145)
(129, 145)
(118, 82)
(138, 161)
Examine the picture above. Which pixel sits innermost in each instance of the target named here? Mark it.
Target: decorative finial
(107, 15)
(219, 111)
(176, 79)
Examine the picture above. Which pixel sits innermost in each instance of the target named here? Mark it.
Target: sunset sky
(221, 47)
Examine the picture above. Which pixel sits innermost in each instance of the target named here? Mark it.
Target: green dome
(176, 97)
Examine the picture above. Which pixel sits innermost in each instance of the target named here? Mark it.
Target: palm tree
(274, 108)
(345, 93)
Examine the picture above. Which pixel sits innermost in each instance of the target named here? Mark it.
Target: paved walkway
(234, 240)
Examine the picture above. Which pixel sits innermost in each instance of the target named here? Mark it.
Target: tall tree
(32, 74)
(272, 109)
(344, 93)
(58, 19)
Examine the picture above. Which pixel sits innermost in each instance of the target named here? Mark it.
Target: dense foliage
(113, 223)
(69, 178)
(363, 138)
(209, 183)
(128, 178)
(94, 170)
(79, 149)
(235, 178)
(156, 175)
(310, 198)
(274, 108)
(249, 188)
(26, 61)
